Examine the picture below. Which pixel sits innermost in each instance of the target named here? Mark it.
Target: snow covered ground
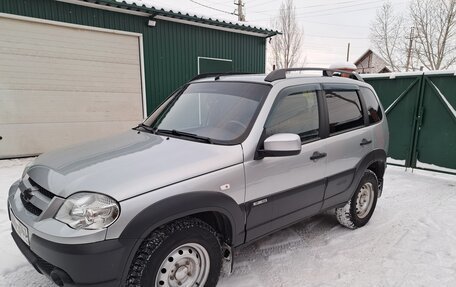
(410, 241)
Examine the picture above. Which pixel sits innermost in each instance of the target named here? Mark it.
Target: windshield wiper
(146, 128)
(185, 134)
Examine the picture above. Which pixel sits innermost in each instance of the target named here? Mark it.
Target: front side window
(219, 111)
(345, 111)
(372, 106)
(296, 113)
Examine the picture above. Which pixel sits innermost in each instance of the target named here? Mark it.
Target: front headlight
(86, 210)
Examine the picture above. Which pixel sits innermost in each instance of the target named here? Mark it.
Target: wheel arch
(220, 222)
(378, 167)
(215, 208)
(372, 160)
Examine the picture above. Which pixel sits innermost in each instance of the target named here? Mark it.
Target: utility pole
(348, 52)
(240, 10)
(409, 51)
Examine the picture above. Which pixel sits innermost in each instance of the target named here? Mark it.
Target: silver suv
(225, 160)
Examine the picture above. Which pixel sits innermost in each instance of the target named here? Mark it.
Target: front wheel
(183, 253)
(359, 209)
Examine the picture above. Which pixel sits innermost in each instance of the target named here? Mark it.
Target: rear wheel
(183, 253)
(358, 211)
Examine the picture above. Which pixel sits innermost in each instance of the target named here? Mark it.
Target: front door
(283, 190)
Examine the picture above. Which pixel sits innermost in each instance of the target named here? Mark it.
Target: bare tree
(286, 48)
(387, 36)
(435, 22)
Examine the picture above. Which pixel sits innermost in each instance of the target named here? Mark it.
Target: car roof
(292, 78)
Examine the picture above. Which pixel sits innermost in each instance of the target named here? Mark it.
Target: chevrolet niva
(225, 160)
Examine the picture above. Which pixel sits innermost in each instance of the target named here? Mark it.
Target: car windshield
(216, 112)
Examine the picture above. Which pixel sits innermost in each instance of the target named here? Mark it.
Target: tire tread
(344, 214)
(155, 240)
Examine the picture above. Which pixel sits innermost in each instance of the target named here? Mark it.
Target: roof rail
(217, 75)
(280, 74)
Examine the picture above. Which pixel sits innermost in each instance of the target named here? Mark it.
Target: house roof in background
(364, 55)
(386, 68)
(157, 9)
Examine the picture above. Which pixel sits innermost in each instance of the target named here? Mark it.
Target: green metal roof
(168, 12)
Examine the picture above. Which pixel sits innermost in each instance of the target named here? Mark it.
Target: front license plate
(20, 228)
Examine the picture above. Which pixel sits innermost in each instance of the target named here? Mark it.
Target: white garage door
(65, 84)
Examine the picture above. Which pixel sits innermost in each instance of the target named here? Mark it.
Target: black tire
(160, 243)
(350, 215)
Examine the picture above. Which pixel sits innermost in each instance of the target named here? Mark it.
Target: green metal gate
(422, 118)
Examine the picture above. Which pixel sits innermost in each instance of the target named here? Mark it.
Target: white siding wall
(62, 85)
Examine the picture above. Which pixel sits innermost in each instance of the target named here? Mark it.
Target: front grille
(41, 190)
(30, 207)
(34, 197)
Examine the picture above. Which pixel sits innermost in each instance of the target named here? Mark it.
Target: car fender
(186, 204)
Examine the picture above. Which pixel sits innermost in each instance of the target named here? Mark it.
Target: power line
(222, 3)
(343, 7)
(317, 45)
(253, 1)
(261, 4)
(308, 15)
(337, 37)
(334, 13)
(335, 24)
(334, 5)
(311, 14)
(207, 6)
(238, 12)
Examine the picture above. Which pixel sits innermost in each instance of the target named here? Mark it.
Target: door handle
(365, 142)
(317, 155)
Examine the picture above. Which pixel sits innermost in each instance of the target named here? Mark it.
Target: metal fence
(421, 111)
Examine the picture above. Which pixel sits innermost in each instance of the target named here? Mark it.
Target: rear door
(350, 139)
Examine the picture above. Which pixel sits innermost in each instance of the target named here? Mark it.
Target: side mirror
(281, 145)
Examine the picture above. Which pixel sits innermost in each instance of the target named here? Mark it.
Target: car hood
(129, 164)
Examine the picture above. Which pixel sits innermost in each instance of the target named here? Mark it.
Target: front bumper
(69, 257)
(93, 264)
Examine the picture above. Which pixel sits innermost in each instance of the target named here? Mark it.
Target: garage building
(72, 71)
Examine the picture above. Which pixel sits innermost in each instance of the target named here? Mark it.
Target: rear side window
(295, 113)
(372, 105)
(345, 111)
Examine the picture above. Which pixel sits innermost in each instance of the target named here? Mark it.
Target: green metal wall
(421, 112)
(170, 49)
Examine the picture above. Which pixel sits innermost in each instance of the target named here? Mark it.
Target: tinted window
(296, 113)
(344, 110)
(372, 105)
